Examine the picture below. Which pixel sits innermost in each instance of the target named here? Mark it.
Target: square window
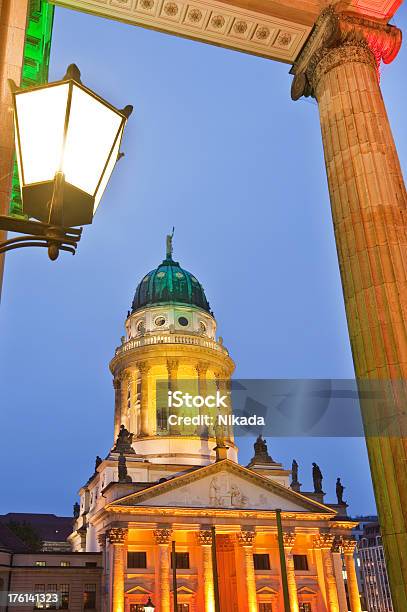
(65, 564)
(261, 561)
(136, 560)
(40, 563)
(183, 607)
(300, 562)
(265, 607)
(181, 560)
(305, 607)
(64, 593)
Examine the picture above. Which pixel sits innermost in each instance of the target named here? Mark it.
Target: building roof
(169, 283)
(10, 541)
(49, 527)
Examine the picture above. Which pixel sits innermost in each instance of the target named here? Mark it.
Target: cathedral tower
(170, 339)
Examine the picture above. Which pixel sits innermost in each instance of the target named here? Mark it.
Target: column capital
(288, 539)
(102, 540)
(324, 541)
(349, 545)
(337, 38)
(117, 535)
(246, 537)
(204, 537)
(202, 367)
(172, 364)
(143, 366)
(162, 536)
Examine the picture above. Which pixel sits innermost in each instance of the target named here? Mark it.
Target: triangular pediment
(266, 590)
(222, 485)
(138, 590)
(306, 591)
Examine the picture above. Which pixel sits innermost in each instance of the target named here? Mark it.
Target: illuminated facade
(167, 485)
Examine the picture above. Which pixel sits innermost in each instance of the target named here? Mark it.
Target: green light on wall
(37, 50)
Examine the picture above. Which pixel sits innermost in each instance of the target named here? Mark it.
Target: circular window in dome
(140, 327)
(160, 274)
(179, 275)
(193, 279)
(159, 321)
(202, 327)
(145, 279)
(183, 321)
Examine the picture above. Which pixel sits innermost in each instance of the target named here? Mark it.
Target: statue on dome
(124, 441)
(76, 510)
(317, 478)
(98, 461)
(122, 469)
(169, 244)
(339, 491)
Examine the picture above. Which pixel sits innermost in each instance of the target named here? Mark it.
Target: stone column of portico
(339, 66)
(13, 19)
(205, 540)
(338, 571)
(324, 542)
(349, 545)
(162, 538)
(117, 538)
(246, 541)
(145, 426)
(288, 542)
(102, 549)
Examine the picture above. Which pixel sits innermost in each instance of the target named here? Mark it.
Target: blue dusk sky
(217, 148)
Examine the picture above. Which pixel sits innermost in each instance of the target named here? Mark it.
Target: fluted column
(172, 374)
(133, 425)
(117, 406)
(205, 540)
(201, 371)
(324, 541)
(349, 545)
(125, 378)
(162, 538)
(246, 541)
(288, 541)
(338, 570)
(102, 548)
(117, 538)
(145, 425)
(340, 67)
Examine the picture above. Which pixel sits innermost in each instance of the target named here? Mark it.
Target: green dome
(169, 283)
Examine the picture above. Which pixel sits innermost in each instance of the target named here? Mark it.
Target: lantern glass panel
(92, 129)
(41, 119)
(109, 169)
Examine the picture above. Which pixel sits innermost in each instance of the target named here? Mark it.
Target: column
(117, 406)
(172, 373)
(246, 541)
(349, 545)
(340, 67)
(205, 540)
(338, 567)
(13, 19)
(324, 542)
(102, 548)
(201, 370)
(117, 538)
(288, 541)
(145, 426)
(162, 538)
(133, 426)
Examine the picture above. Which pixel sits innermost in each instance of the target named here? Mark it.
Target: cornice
(209, 470)
(210, 21)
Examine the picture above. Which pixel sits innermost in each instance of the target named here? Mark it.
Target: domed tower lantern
(170, 338)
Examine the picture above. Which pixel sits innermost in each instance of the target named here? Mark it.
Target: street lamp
(149, 606)
(67, 141)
